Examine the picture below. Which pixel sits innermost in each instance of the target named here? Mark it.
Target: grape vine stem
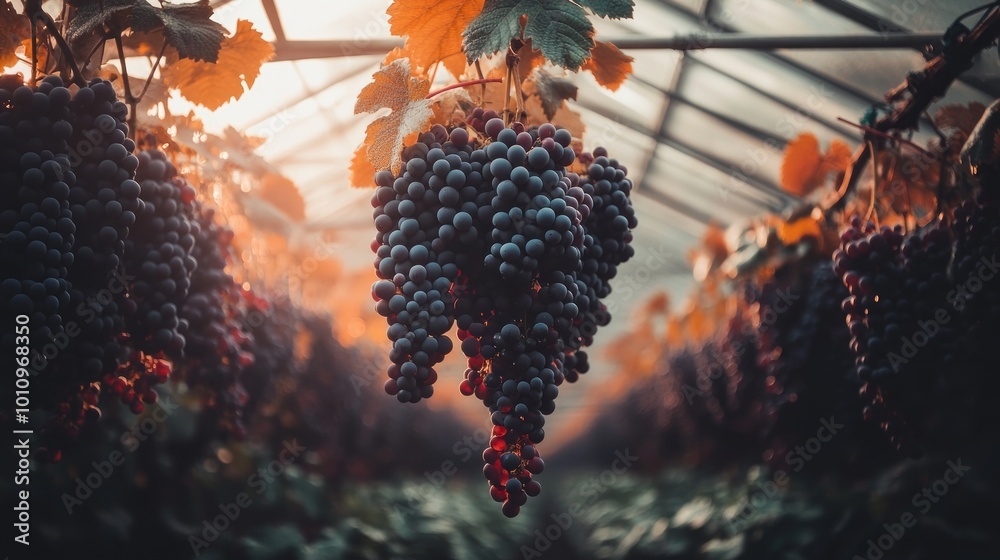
(35, 14)
(917, 92)
(887, 136)
(871, 206)
(462, 85)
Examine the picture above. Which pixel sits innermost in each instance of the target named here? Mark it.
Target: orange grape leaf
(837, 158)
(791, 233)
(609, 65)
(14, 29)
(455, 64)
(714, 242)
(394, 55)
(802, 158)
(215, 84)
(433, 29)
(361, 173)
(393, 87)
(959, 117)
(805, 168)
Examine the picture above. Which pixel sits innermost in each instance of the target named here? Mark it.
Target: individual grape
(493, 127)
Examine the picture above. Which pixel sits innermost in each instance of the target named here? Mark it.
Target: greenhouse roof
(701, 132)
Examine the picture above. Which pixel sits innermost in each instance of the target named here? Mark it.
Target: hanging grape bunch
(494, 233)
(897, 284)
(65, 228)
(158, 255)
(493, 222)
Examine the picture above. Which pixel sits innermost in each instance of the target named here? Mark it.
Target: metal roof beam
(298, 50)
(844, 87)
(272, 16)
(758, 42)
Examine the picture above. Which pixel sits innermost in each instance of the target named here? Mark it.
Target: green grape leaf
(92, 16)
(187, 27)
(615, 9)
(558, 28)
(493, 29)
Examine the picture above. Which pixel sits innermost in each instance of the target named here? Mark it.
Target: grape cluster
(974, 299)
(65, 222)
(217, 311)
(414, 216)
(607, 244)
(37, 249)
(897, 285)
(158, 257)
(103, 202)
(976, 228)
(203, 309)
(494, 233)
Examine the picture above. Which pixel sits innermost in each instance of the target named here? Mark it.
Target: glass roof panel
(634, 102)
(781, 17)
(727, 96)
(663, 225)
(311, 20)
(630, 147)
(873, 73)
(786, 82)
(305, 108)
(692, 189)
(715, 180)
(722, 142)
(918, 15)
(229, 12)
